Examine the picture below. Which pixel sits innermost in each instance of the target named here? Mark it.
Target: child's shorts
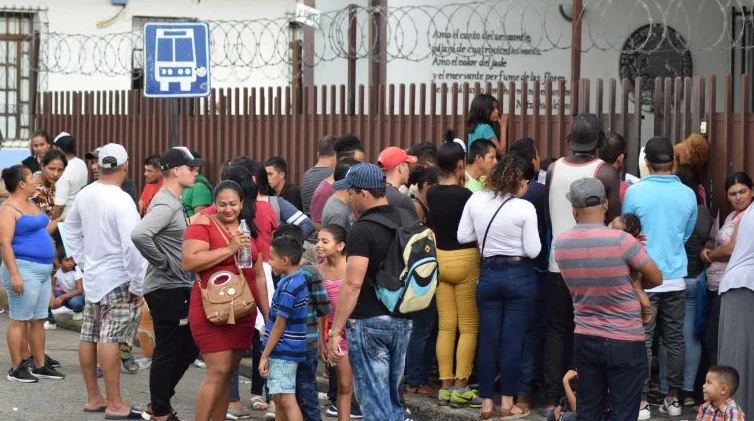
(282, 377)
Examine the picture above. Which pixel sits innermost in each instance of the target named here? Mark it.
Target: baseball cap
(362, 176)
(93, 154)
(659, 150)
(65, 142)
(177, 156)
(112, 155)
(586, 192)
(393, 156)
(586, 131)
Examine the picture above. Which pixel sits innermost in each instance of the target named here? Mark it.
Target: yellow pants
(457, 311)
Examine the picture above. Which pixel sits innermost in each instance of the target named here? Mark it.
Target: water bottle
(244, 253)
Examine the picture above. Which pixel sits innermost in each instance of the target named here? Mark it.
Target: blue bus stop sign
(176, 59)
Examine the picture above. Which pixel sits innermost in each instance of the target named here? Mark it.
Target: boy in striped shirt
(285, 334)
(596, 264)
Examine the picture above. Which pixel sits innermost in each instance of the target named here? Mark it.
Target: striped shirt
(318, 304)
(289, 302)
(596, 264)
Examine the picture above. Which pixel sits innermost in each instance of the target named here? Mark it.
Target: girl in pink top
(331, 243)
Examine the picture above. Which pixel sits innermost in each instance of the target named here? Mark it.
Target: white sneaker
(644, 413)
(673, 408)
(77, 316)
(50, 326)
(61, 310)
(199, 363)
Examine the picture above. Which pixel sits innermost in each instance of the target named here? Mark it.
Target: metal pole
(352, 59)
(578, 9)
(174, 129)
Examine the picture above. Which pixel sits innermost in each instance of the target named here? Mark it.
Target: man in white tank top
(583, 142)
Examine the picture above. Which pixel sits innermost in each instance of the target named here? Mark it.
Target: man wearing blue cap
(377, 379)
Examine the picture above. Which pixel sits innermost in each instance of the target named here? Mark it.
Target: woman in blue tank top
(27, 253)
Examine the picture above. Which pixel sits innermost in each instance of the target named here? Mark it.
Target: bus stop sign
(176, 59)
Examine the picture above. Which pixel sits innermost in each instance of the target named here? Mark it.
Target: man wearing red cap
(394, 162)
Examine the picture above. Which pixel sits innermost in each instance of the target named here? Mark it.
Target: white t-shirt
(98, 234)
(67, 280)
(74, 178)
(514, 232)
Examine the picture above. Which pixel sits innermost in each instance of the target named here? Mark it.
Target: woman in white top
(505, 228)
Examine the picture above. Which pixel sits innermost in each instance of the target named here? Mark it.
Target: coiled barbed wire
(261, 48)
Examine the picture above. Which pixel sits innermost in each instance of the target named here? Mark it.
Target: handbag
(227, 296)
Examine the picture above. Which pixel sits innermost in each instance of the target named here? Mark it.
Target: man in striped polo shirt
(596, 264)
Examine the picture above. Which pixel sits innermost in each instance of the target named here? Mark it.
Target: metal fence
(263, 122)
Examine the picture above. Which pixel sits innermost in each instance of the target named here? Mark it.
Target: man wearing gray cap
(585, 139)
(596, 264)
(98, 232)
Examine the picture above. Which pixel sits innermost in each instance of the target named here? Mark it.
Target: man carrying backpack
(377, 340)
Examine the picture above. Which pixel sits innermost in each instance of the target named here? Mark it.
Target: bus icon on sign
(175, 58)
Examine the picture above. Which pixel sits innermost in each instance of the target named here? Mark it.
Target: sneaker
(356, 413)
(51, 362)
(237, 414)
(673, 408)
(689, 401)
(21, 374)
(46, 372)
(443, 395)
(147, 414)
(77, 316)
(644, 412)
(465, 396)
(199, 363)
(50, 326)
(28, 363)
(332, 410)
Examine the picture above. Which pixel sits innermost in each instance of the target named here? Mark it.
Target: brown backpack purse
(227, 296)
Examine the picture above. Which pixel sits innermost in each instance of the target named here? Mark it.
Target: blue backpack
(407, 278)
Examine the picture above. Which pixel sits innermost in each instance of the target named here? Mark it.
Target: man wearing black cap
(74, 178)
(583, 142)
(377, 359)
(667, 209)
(159, 238)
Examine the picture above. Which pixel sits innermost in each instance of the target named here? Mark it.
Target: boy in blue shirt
(285, 334)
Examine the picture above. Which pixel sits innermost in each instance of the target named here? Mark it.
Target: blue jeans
(692, 345)
(534, 341)
(235, 396)
(505, 298)
(306, 385)
(75, 303)
(377, 353)
(421, 346)
(619, 367)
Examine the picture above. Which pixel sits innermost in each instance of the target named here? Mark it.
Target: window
(17, 83)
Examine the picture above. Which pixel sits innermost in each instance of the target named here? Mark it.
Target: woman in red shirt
(211, 244)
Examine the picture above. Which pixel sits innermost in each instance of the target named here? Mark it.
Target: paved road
(63, 399)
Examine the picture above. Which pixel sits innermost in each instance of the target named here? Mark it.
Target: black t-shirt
(445, 209)
(292, 194)
(371, 240)
(536, 196)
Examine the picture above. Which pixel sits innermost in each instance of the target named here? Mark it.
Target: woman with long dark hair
(504, 227)
(53, 165)
(483, 122)
(458, 275)
(211, 244)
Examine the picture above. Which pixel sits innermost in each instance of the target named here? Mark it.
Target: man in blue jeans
(596, 264)
(377, 342)
(667, 210)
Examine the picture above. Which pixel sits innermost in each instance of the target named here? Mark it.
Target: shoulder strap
(13, 207)
(487, 231)
(225, 237)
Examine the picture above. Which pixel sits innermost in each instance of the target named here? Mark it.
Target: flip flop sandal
(258, 403)
(132, 415)
(511, 416)
(98, 409)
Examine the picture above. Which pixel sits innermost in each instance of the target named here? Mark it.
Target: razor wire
(261, 48)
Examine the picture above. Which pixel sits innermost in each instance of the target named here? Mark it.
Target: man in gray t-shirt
(159, 238)
(337, 211)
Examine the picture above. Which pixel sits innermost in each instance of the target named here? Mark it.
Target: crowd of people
(558, 280)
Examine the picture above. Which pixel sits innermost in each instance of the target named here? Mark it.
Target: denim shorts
(33, 303)
(282, 377)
